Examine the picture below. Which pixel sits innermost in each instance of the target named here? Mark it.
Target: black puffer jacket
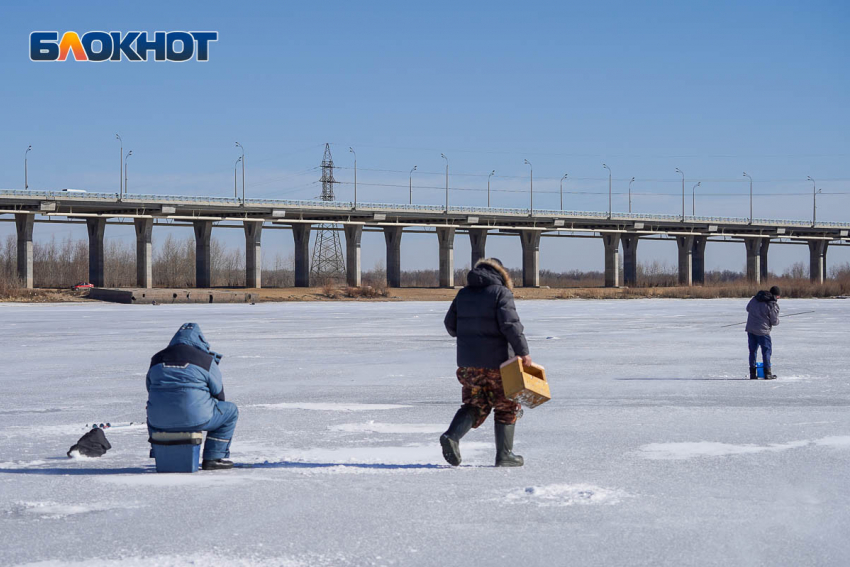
(483, 317)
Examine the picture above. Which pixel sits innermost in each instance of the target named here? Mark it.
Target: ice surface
(655, 450)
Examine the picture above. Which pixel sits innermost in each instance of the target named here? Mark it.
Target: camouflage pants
(482, 389)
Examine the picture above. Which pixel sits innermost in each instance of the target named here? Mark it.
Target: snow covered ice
(655, 449)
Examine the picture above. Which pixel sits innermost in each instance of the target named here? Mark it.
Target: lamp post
(531, 169)
(26, 176)
(751, 196)
(632, 180)
(683, 192)
(447, 181)
(609, 189)
(120, 166)
(815, 192)
(488, 187)
(562, 190)
(125, 169)
(235, 167)
(238, 145)
(411, 184)
(694, 199)
(351, 150)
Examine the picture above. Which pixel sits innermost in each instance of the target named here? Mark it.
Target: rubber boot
(460, 426)
(768, 375)
(216, 465)
(505, 446)
(754, 374)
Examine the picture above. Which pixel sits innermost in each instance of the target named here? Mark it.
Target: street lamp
(238, 145)
(351, 150)
(562, 190)
(632, 180)
(125, 169)
(814, 200)
(751, 197)
(121, 167)
(683, 192)
(488, 187)
(531, 168)
(447, 181)
(26, 178)
(235, 167)
(609, 189)
(694, 199)
(411, 184)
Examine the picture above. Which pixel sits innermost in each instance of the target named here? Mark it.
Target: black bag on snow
(92, 444)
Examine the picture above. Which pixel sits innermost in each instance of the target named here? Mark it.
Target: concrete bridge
(625, 230)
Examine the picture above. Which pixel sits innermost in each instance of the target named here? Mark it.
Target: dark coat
(483, 317)
(92, 444)
(763, 313)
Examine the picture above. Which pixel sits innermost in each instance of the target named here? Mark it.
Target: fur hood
(490, 266)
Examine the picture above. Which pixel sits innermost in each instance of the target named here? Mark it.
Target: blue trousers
(219, 431)
(763, 341)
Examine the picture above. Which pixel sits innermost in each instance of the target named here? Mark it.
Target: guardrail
(343, 206)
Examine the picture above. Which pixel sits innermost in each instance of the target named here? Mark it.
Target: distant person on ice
(483, 317)
(185, 393)
(763, 315)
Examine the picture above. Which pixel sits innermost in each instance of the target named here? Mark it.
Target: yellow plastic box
(525, 384)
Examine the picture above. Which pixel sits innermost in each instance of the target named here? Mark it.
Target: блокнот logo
(110, 46)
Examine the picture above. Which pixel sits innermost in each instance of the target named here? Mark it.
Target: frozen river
(654, 451)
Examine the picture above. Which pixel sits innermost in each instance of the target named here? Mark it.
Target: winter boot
(768, 375)
(216, 465)
(460, 426)
(505, 446)
(754, 374)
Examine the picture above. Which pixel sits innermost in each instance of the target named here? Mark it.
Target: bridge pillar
(698, 260)
(530, 240)
(96, 228)
(446, 237)
(392, 236)
(253, 254)
(765, 244)
(612, 259)
(477, 240)
(301, 235)
(630, 244)
(203, 253)
(144, 252)
(24, 224)
(353, 270)
(686, 256)
(753, 246)
(817, 260)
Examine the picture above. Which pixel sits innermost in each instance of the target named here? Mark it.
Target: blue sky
(714, 88)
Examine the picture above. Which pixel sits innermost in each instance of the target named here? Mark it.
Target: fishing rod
(782, 317)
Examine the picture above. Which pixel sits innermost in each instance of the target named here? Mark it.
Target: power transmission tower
(328, 261)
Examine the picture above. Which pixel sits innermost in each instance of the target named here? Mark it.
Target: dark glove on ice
(92, 444)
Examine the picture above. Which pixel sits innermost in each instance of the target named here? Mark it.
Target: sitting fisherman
(185, 393)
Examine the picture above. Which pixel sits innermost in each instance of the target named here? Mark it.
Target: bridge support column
(686, 255)
(765, 244)
(96, 228)
(353, 269)
(698, 260)
(24, 224)
(446, 237)
(203, 253)
(253, 254)
(530, 240)
(477, 240)
(301, 235)
(630, 244)
(753, 246)
(612, 259)
(817, 260)
(392, 236)
(144, 252)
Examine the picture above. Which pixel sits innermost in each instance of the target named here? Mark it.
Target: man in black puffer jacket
(483, 317)
(763, 315)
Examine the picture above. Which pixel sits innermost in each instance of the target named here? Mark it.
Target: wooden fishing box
(525, 384)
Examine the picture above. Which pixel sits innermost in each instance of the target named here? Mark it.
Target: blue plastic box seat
(760, 369)
(177, 452)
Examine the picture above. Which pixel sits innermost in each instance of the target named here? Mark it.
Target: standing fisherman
(483, 317)
(763, 315)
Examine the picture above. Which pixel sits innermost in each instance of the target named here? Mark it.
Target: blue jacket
(184, 381)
